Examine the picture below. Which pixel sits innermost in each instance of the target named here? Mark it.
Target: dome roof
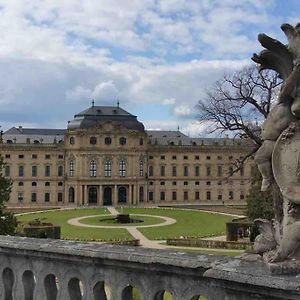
(98, 114)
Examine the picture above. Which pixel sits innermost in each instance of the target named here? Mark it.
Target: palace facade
(106, 157)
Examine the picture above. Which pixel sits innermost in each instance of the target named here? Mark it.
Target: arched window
(60, 184)
(72, 140)
(141, 168)
(107, 140)
(150, 170)
(71, 168)
(93, 140)
(107, 168)
(93, 168)
(122, 141)
(71, 195)
(60, 171)
(122, 168)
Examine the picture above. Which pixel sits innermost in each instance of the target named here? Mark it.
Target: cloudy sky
(157, 57)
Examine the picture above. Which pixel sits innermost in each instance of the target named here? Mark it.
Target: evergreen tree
(8, 222)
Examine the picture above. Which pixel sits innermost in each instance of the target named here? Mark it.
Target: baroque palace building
(106, 157)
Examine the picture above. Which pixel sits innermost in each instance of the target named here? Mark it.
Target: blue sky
(157, 57)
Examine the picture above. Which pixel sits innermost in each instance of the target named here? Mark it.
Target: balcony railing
(54, 269)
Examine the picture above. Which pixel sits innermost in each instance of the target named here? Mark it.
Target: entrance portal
(92, 195)
(122, 194)
(107, 196)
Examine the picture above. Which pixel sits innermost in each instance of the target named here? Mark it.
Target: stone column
(100, 195)
(86, 195)
(83, 194)
(115, 199)
(134, 199)
(129, 195)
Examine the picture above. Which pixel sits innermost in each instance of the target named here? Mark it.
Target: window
(71, 195)
(242, 195)
(174, 183)
(71, 168)
(185, 157)
(47, 171)
(151, 171)
(208, 171)
(141, 194)
(107, 168)
(93, 168)
(33, 171)
(9, 141)
(150, 196)
(219, 157)
(208, 182)
(197, 196)
(162, 183)
(47, 183)
(197, 182)
(174, 157)
(185, 171)
(33, 183)
(208, 196)
(230, 171)
(47, 156)
(122, 168)
(197, 171)
(72, 140)
(21, 171)
(122, 141)
(21, 156)
(7, 171)
(162, 196)
(141, 168)
(185, 195)
(150, 182)
(60, 183)
(219, 182)
(107, 140)
(7, 155)
(20, 197)
(60, 171)
(197, 157)
(230, 195)
(33, 197)
(21, 183)
(93, 140)
(230, 157)
(163, 157)
(242, 182)
(60, 156)
(162, 170)
(220, 196)
(59, 197)
(141, 142)
(34, 156)
(47, 197)
(150, 157)
(174, 171)
(220, 171)
(174, 196)
(242, 172)
(208, 157)
(185, 183)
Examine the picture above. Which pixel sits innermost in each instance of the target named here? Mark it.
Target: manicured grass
(189, 223)
(74, 232)
(111, 222)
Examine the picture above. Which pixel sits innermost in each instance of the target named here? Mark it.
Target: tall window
(59, 197)
(151, 171)
(47, 171)
(93, 168)
(60, 171)
(72, 140)
(47, 197)
(197, 195)
(141, 168)
(71, 195)
(21, 171)
(71, 168)
(208, 171)
(174, 196)
(122, 168)
(162, 196)
(185, 171)
(230, 195)
(141, 194)
(174, 171)
(185, 195)
(208, 196)
(33, 197)
(7, 171)
(220, 171)
(230, 171)
(162, 170)
(242, 171)
(197, 171)
(107, 168)
(34, 171)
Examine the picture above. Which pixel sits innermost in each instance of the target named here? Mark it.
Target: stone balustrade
(54, 269)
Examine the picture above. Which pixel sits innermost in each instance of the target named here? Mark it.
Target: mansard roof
(35, 131)
(97, 114)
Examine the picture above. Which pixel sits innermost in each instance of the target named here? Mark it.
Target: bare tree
(239, 103)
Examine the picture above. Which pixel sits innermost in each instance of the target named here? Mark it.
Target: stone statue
(281, 142)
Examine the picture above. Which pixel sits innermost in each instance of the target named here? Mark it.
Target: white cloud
(169, 101)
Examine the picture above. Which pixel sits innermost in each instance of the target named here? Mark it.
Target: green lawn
(189, 223)
(111, 222)
(75, 232)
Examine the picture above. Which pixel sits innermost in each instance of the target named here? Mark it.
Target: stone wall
(54, 269)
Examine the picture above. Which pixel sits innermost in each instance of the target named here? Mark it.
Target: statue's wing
(276, 56)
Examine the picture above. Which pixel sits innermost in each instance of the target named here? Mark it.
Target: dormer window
(72, 140)
(93, 140)
(122, 141)
(107, 140)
